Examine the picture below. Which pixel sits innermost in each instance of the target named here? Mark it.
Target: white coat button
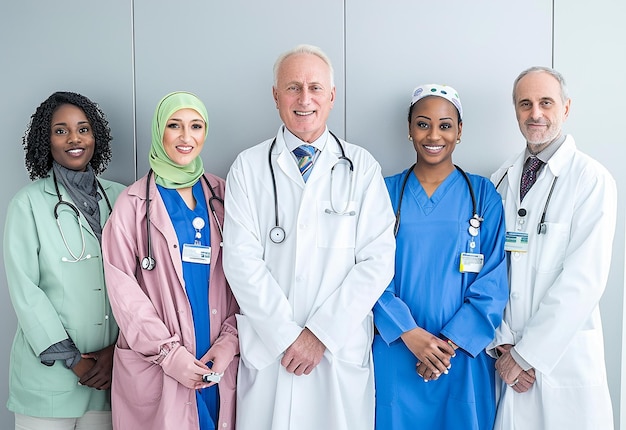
(106, 317)
(515, 296)
(302, 226)
(214, 311)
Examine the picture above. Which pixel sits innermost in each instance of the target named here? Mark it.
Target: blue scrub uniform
(429, 291)
(196, 278)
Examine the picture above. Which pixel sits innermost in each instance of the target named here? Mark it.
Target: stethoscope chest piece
(277, 234)
(474, 225)
(148, 263)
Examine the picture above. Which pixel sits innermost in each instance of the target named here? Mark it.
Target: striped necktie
(305, 155)
(529, 176)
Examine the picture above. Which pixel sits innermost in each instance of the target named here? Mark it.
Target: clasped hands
(304, 354)
(433, 353)
(95, 368)
(512, 374)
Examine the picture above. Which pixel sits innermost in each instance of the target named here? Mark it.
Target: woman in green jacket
(62, 354)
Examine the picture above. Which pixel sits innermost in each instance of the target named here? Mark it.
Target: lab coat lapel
(286, 162)
(160, 221)
(325, 161)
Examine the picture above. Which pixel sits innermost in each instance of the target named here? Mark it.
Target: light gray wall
(127, 54)
(589, 50)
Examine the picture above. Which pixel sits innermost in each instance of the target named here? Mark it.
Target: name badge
(196, 254)
(471, 263)
(516, 241)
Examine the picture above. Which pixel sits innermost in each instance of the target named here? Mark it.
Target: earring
(458, 141)
(410, 138)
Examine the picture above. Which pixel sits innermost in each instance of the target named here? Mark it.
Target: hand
(507, 367)
(181, 365)
(525, 380)
(215, 361)
(433, 353)
(83, 367)
(100, 374)
(303, 354)
(426, 373)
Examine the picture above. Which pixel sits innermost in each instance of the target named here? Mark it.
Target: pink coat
(152, 309)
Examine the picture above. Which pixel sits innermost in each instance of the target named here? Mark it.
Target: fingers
(525, 381)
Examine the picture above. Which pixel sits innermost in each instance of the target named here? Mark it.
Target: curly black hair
(36, 140)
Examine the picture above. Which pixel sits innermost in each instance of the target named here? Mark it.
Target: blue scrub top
(196, 278)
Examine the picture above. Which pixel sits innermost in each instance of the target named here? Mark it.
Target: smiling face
(434, 129)
(304, 95)
(540, 109)
(72, 142)
(183, 136)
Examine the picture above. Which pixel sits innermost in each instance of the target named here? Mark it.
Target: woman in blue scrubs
(450, 285)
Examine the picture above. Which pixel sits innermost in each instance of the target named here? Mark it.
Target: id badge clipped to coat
(471, 263)
(193, 253)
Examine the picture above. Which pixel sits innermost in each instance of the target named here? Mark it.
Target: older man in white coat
(560, 208)
(307, 253)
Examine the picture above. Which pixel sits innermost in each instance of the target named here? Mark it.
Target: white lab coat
(552, 316)
(326, 275)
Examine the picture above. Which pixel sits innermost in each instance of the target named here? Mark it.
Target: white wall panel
(477, 47)
(589, 50)
(224, 52)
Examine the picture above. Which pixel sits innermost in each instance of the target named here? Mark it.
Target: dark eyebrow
(65, 124)
(193, 120)
(429, 119)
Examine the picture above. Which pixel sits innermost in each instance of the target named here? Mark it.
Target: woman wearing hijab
(62, 354)
(450, 284)
(163, 259)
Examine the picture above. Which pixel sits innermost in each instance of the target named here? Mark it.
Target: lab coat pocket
(254, 354)
(552, 245)
(336, 226)
(143, 380)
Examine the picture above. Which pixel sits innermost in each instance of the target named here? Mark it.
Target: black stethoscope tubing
(541, 226)
(148, 262)
(277, 233)
(72, 206)
(475, 221)
(55, 211)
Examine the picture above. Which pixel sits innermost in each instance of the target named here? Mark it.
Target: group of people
(306, 291)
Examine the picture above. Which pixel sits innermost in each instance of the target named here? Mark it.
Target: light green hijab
(167, 173)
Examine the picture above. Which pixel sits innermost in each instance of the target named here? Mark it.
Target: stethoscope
(55, 211)
(542, 228)
(148, 262)
(474, 222)
(277, 233)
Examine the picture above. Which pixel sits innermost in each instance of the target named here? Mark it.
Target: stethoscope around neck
(474, 222)
(148, 262)
(82, 256)
(542, 228)
(277, 233)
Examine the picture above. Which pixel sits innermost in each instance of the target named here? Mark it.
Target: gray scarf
(83, 189)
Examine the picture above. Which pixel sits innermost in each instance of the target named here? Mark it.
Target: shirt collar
(547, 153)
(292, 142)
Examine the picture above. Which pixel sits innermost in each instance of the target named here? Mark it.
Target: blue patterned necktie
(529, 176)
(305, 155)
